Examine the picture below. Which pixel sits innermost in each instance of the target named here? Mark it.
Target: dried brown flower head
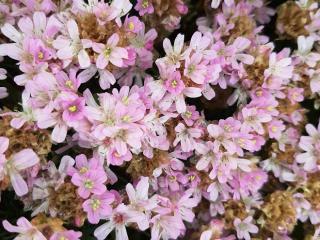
(279, 212)
(233, 209)
(143, 166)
(244, 26)
(66, 203)
(26, 137)
(312, 190)
(48, 226)
(291, 20)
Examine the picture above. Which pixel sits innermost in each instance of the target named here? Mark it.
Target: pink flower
(104, 12)
(25, 229)
(66, 235)
(253, 119)
(221, 138)
(305, 45)
(174, 53)
(295, 95)
(98, 207)
(166, 227)
(114, 158)
(83, 165)
(195, 69)
(110, 52)
(276, 128)
(121, 216)
(183, 207)
(73, 108)
(39, 51)
(133, 24)
(311, 145)
(185, 136)
(15, 164)
(90, 182)
(190, 116)
(139, 196)
(68, 82)
(244, 228)
(174, 84)
(71, 46)
(280, 68)
(47, 119)
(144, 7)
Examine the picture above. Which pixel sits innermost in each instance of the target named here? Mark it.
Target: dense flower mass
(160, 119)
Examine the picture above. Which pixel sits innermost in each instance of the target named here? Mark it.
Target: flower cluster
(167, 119)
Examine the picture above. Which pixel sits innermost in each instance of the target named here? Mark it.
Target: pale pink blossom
(186, 137)
(16, 163)
(98, 207)
(25, 230)
(66, 235)
(72, 46)
(110, 52)
(121, 216)
(245, 227)
(280, 68)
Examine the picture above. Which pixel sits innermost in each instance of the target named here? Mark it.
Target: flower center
(145, 3)
(192, 177)
(172, 178)
(88, 184)
(95, 204)
(118, 218)
(131, 26)
(40, 55)
(191, 68)
(73, 108)
(174, 83)
(274, 129)
(126, 118)
(109, 121)
(69, 84)
(188, 114)
(83, 170)
(107, 52)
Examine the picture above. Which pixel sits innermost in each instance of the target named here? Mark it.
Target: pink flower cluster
(141, 126)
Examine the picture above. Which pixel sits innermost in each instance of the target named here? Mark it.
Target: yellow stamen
(88, 184)
(95, 204)
(172, 178)
(191, 178)
(83, 170)
(107, 52)
(40, 55)
(188, 114)
(145, 3)
(174, 83)
(73, 108)
(274, 129)
(126, 118)
(69, 84)
(131, 26)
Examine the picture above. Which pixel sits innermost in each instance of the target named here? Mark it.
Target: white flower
(73, 46)
(279, 68)
(174, 53)
(305, 45)
(244, 228)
